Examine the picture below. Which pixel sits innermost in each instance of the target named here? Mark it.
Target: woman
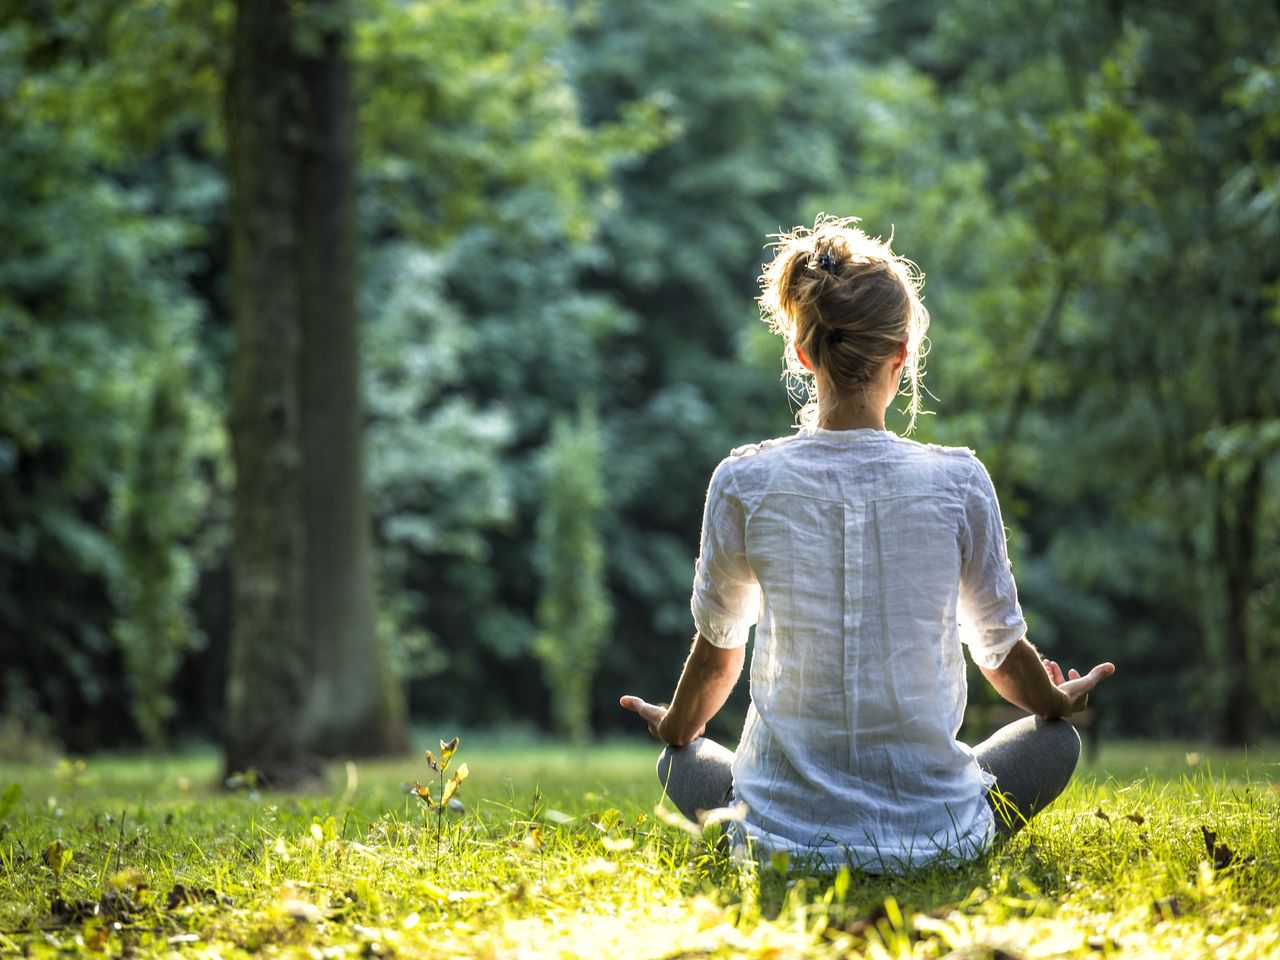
(865, 561)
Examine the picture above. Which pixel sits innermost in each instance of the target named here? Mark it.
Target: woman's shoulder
(748, 460)
(936, 449)
(960, 465)
(761, 446)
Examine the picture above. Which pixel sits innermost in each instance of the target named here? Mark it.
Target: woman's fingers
(1094, 676)
(1102, 671)
(650, 712)
(635, 705)
(1078, 686)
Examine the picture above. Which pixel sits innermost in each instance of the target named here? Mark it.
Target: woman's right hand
(651, 713)
(1076, 687)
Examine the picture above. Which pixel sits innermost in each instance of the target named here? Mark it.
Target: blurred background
(494, 263)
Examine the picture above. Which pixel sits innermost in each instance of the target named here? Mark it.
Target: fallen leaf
(1220, 854)
(62, 911)
(181, 896)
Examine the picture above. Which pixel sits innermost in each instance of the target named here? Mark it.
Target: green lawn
(559, 854)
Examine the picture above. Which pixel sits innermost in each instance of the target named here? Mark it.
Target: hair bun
(848, 302)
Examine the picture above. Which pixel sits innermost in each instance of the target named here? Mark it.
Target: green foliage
(573, 613)
(435, 476)
(479, 186)
(109, 440)
(158, 510)
(468, 117)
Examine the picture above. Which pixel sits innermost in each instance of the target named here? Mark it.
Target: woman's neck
(859, 412)
(850, 419)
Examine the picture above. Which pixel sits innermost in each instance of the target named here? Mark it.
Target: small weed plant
(446, 790)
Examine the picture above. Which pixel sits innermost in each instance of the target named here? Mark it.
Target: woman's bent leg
(698, 776)
(1032, 760)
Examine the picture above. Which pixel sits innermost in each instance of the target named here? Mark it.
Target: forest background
(561, 211)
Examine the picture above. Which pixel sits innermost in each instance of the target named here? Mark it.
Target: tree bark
(306, 675)
(268, 669)
(353, 706)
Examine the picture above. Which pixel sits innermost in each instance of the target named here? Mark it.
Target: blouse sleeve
(726, 596)
(991, 620)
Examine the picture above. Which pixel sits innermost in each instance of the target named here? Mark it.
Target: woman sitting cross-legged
(865, 560)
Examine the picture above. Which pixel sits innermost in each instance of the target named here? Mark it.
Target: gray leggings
(1032, 760)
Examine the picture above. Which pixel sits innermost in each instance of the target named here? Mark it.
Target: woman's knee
(1060, 740)
(1066, 738)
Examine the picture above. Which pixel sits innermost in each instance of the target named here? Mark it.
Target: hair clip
(827, 262)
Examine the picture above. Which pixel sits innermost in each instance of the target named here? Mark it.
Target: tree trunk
(353, 705)
(268, 670)
(306, 673)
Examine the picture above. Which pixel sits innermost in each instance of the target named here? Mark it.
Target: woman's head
(847, 303)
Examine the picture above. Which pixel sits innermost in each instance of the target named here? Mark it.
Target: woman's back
(859, 541)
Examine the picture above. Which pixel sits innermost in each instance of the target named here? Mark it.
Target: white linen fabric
(858, 554)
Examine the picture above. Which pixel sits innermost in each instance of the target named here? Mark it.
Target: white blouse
(857, 552)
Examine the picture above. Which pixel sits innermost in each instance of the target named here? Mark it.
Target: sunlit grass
(558, 854)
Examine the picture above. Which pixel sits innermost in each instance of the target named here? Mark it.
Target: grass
(559, 854)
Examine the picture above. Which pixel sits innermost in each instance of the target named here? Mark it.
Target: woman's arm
(708, 678)
(1038, 686)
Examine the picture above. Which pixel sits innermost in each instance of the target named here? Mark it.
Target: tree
(354, 704)
(306, 669)
(268, 672)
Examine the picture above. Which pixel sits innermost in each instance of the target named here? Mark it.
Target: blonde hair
(848, 301)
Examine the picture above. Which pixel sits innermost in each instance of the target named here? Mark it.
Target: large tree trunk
(306, 673)
(353, 706)
(269, 670)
